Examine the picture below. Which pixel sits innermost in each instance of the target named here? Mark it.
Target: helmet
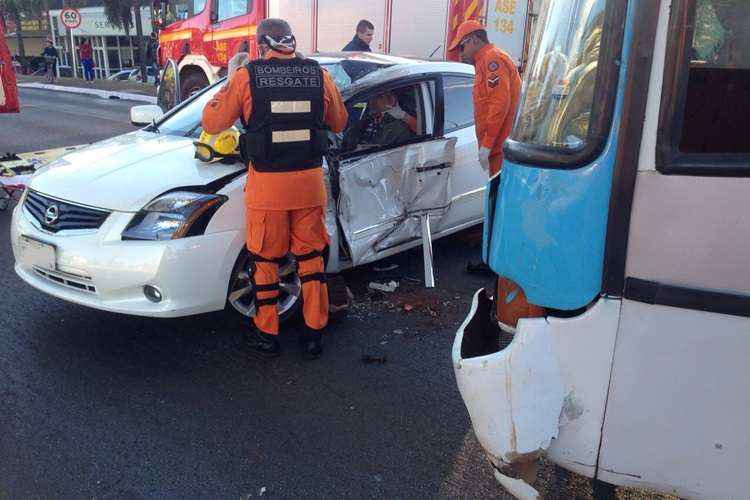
(210, 147)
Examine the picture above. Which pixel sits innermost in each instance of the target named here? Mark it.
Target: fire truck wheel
(192, 83)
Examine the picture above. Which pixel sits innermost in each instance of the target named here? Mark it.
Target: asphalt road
(53, 119)
(100, 405)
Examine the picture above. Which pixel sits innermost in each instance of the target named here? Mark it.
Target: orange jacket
(274, 190)
(497, 88)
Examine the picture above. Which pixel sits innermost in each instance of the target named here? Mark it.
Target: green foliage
(120, 12)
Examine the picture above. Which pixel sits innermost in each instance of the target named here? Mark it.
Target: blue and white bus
(622, 209)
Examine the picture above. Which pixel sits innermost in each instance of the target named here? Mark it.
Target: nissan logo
(52, 214)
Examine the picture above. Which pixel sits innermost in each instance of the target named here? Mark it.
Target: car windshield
(348, 71)
(558, 96)
(185, 120)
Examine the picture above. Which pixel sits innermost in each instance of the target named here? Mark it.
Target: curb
(104, 94)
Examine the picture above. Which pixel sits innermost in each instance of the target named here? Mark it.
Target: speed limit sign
(70, 18)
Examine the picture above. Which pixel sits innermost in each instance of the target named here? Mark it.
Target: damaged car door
(385, 196)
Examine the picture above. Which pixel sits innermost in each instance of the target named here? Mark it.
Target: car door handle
(428, 168)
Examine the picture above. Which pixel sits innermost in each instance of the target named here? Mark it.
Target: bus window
(556, 106)
(569, 89)
(717, 101)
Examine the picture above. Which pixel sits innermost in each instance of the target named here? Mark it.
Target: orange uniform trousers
(496, 163)
(512, 305)
(271, 234)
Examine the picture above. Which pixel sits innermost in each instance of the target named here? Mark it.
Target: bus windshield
(558, 98)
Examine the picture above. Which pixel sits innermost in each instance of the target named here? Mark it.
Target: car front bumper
(96, 268)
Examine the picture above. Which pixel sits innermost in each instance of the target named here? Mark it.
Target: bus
(622, 211)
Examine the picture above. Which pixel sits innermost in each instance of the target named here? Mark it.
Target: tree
(121, 13)
(17, 10)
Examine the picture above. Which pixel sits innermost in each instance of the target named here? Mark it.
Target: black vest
(285, 131)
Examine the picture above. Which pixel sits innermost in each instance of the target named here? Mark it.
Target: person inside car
(386, 123)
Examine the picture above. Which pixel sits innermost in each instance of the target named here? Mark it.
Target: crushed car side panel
(382, 195)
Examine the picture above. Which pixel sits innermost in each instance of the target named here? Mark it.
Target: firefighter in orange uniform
(287, 104)
(497, 89)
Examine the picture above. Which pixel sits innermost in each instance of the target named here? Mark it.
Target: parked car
(136, 225)
(134, 74)
(151, 71)
(123, 74)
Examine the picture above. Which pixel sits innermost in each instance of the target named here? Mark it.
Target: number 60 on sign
(70, 18)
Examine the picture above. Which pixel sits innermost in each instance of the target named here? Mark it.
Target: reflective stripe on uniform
(291, 106)
(281, 136)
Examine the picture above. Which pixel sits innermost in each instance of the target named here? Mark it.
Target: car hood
(126, 172)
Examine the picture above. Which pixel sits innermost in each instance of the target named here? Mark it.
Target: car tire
(192, 83)
(240, 298)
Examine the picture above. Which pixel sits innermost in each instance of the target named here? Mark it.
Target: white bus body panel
(546, 390)
(679, 405)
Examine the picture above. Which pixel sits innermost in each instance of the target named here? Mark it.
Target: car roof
(397, 67)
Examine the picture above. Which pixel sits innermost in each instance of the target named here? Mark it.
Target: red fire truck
(210, 32)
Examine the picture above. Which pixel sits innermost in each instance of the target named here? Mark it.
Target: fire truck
(207, 33)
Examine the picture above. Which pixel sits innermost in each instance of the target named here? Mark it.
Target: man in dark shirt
(50, 59)
(362, 38)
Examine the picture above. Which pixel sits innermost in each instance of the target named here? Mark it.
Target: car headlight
(174, 215)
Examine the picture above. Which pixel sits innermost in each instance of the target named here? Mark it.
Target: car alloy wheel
(242, 298)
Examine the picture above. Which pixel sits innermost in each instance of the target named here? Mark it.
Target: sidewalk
(106, 89)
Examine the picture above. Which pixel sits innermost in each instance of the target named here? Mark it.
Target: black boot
(312, 343)
(264, 344)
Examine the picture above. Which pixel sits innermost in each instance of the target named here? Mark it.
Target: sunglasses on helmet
(463, 42)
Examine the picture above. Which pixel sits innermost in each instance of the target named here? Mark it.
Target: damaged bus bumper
(541, 391)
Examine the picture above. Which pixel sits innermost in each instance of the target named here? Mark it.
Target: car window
(388, 118)
(459, 105)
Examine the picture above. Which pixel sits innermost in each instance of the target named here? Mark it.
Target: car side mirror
(145, 115)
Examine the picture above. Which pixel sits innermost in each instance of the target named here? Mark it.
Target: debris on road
(369, 359)
(389, 287)
(262, 491)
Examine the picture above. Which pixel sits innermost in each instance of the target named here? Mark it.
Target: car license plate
(37, 253)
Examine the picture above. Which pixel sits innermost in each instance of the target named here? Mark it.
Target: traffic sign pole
(71, 19)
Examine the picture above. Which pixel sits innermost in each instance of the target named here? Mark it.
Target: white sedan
(136, 225)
